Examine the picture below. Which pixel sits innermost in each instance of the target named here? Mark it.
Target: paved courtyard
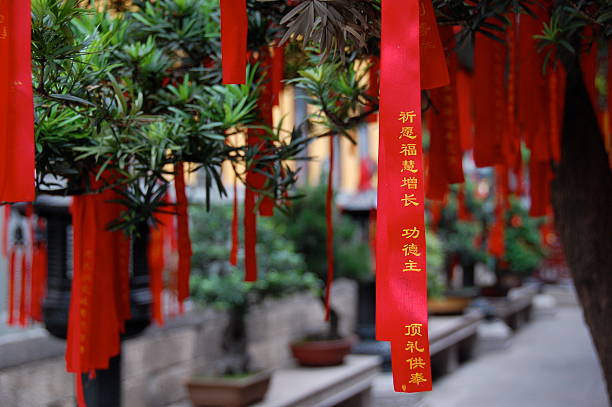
(551, 362)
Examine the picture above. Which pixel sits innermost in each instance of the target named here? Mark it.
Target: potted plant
(438, 301)
(218, 284)
(305, 224)
(132, 93)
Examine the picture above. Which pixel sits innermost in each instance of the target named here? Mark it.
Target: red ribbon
(489, 97)
(16, 104)
(374, 85)
(97, 307)
(39, 276)
(330, 228)
(401, 292)
(234, 28)
(512, 142)
(234, 251)
(465, 109)
(157, 261)
(278, 73)
(250, 233)
(445, 154)
(497, 245)
(434, 73)
(184, 241)
(12, 277)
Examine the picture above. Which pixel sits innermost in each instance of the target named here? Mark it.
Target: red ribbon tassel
(96, 316)
(184, 241)
(401, 283)
(330, 228)
(16, 103)
(234, 251)
(39, 276)
(278, 73)
(234, 28)
(12, 277)
(250, 234)
(374, 85)
(434, 72)
(489, 98)
(445, 155)
(156, 262)
(23, 283)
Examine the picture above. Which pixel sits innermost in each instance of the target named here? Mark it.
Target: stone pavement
(551, 362)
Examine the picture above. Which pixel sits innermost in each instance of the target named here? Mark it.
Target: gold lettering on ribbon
(3, 30)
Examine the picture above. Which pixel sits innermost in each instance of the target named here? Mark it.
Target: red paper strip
(156, 262)
(23, 282)
(6, 213)
(465, 109)
(401, 292)
(511, 139)
(489, 99)
(184, 241)
(445, 155)
(374, 85)
(434, 72)
(96, 314)
(234, 28)
(234, 251)
(497, 245)
(278, 73)
(250, 234)
(16, 103)
(12, 277)
(39, 275)
(330, 228)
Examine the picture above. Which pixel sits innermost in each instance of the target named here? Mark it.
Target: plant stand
(105, 389)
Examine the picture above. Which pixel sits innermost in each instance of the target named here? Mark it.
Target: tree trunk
(582, 201)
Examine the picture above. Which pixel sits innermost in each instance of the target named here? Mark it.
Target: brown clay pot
(448, 305)
(322, 352)
(228, 392)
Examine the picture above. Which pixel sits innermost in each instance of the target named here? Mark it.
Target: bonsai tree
(464, 238)
(134, 92)
(305, 225)
(435, 262)
(524, 248)
(215, 282)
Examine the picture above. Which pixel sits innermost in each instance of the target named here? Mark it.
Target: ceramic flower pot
(322, 352)
(228, 391)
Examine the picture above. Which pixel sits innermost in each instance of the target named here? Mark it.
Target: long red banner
(234, 27)
(401, 282)
(16, 103)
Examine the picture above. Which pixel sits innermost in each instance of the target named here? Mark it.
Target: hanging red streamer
(330, 228)
(234, 29)
(16, 103)
(101, 265)
(184, 241)
(234, 251)
(489, 99)
(374, 85)
(278, 73)
(445, 153)
(250, 234)
(401, 287)
(434, 72)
